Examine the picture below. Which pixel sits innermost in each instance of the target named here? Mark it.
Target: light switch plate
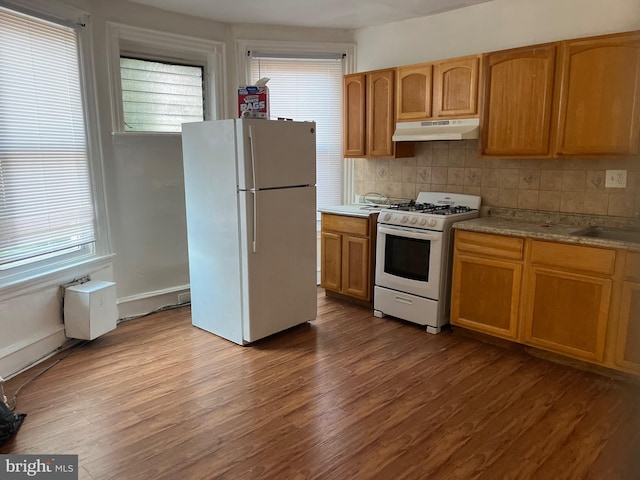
(616, 179)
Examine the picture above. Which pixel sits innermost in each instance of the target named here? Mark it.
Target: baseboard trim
(149, 301)
(20, 355)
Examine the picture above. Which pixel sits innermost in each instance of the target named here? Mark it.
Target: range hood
(458, 129)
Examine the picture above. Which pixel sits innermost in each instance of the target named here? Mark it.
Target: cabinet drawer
(632, 266)
(485, 244)
(345, 224)
(577, 257)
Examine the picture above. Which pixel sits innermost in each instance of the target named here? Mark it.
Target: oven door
(409, 260)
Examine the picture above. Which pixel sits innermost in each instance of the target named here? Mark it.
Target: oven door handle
(410, 233)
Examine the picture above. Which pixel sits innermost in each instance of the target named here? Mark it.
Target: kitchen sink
(609, 233)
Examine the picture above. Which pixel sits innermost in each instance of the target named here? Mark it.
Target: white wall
(495, 25)
(144, 189)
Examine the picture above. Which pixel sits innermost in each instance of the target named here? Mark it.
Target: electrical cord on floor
(157, 310)
(14, 399)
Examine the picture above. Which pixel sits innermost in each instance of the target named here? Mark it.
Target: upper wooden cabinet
(455, 87)
(599, 98)
(368, 116)
(444, 89)
(413, 95)
(518, 93)
(354, 115)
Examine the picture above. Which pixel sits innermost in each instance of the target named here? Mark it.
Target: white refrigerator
(251, 225)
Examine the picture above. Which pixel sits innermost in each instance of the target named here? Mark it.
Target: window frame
(25, 276)
(153, 45)
(301, 48)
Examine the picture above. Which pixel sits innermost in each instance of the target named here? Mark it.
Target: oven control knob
(423, 221)
(404, 219)
(386, 217)
(414, 220)
(432, 222)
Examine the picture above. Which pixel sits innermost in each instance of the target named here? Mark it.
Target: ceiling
(344, 14)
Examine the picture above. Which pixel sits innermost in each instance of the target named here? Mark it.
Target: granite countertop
(356, 210)
(544, 228)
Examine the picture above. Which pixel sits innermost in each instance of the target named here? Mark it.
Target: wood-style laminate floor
(347, 396)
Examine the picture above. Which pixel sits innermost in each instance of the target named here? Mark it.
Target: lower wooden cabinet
(487, 273)
(561, 297)
(627, 345)
(347, 255)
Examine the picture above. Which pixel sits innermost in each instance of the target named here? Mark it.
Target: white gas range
(414, 255)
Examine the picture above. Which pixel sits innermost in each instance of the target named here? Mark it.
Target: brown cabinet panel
(567, 313)
(331, 254)
(345, 224)
(354, 115)
(518, 101)
(455, 87)
(599, 261)
(628, 338)
(413, 94)
(599, 110)
(485, 295)
(355, 266)
(380, 111)
(488, 245)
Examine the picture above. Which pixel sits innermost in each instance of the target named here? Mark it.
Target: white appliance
(456, 129)
(414, 257)
(251, 225)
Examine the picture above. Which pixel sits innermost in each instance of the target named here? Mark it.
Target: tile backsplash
(570, 185)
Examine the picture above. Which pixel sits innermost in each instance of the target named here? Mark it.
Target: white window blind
(160, 97)
(310, 89)
(46, 203)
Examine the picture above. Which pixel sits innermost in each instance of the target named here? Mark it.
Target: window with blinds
(158, 96)
(46, 204)
(309, 89)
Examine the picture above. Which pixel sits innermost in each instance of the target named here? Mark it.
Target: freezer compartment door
(278, 260)
(276, 154)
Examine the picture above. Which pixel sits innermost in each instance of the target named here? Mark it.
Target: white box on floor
(90, 309)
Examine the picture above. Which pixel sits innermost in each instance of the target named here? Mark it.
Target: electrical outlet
(616, 179)
(184, 298)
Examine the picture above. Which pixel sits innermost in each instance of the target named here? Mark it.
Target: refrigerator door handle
(254, 191)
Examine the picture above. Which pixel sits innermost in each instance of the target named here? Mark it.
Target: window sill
(56, 275)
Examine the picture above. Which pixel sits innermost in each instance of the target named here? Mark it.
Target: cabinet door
(519, 92)
(566, 313)
(413, 94)
(380, 109)
(628, 338)
(485, 295)
(354, 115)
(355, 266)
(599, 106)
(455, 87)
(331, 261)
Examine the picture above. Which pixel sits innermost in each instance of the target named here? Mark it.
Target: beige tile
(490, 196)
(369, 170)
(425, 158)
(510, 163)
(508, 198)
(530, 164)
(529, 179)
(454, 189)
(575, 164)
(358, 186)
(395, 173)
(408, 191)
(508, 178)
(409, 162)
(472, 144)
(595, 180)
(596, 203)
(473, 177)
(409, 174)
(436, 187)
(440, 145)
(471, 190)
(440, 157)
(528, 199)
(574, 181)
(490, 177)
(551, 180)
(572, 202)
(636, 210)
(423, 174)
(381, 188)
(550, 164)
(621, 205)
(395, 189)
(368, 187)
(632, 181)
(490, 162)
(457, 157)
(423, 187)
(455, 176)
(472, 159)
(382, 169)
(439, 175)
(549, 200)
